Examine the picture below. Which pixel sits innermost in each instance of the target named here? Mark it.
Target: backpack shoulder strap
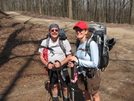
(62, 46)
(46, 44)
(47, 41)
(77, 43)
(88, 45)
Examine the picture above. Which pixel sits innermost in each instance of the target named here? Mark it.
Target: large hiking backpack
(62, 36)
(99, 35)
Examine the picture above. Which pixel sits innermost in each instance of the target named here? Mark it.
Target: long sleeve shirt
(84, 59)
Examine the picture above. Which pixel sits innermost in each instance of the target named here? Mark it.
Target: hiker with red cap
(55, 60)
(86, 65)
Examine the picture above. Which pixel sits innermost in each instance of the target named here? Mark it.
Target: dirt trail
(24, 79)
(43, 22)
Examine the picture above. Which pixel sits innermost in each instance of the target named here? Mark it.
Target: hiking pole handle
(58, 62)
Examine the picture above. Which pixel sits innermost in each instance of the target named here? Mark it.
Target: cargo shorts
(92, 85)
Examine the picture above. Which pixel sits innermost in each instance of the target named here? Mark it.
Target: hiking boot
(55, 99)
(66, 99)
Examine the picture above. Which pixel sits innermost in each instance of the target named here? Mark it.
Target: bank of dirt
(21, 72)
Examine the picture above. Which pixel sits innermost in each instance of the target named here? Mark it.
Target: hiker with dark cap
(54, 58)
(86, 64)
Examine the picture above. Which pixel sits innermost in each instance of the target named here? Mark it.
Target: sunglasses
(56, 30)
(78, 29)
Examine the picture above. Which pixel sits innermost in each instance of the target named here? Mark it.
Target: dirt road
(21, 72)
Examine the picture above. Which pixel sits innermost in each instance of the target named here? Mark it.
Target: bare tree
(131, 21)
(40, 6)
(70, 9)
(25, 5)
(111, 11)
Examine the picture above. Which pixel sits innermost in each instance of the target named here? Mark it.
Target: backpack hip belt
(88, 72)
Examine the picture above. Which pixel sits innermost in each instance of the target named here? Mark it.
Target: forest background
(109, 11)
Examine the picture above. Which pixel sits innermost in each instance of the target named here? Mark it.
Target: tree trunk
(39, 6)
(106, 15)
(131, 21)
(70, 9)
(114, 12)
(25, 5)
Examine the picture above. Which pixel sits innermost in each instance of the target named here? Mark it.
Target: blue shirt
(84, 60)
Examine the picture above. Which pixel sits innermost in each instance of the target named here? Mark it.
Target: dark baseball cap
(53, 26)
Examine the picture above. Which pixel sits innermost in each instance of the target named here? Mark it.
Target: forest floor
(21, 72)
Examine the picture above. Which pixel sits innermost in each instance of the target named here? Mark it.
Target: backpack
(62, 37)
(99, 35)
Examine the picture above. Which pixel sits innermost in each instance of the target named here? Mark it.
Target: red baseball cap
(81, 25)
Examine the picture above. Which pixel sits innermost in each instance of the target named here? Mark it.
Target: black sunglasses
(78, 29)
(56, 30)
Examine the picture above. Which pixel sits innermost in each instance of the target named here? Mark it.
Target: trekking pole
(59, 84)
(72, 82)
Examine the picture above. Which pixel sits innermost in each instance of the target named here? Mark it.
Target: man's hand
(50, 65)
(57, 64)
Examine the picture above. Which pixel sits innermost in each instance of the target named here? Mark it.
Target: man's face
(54, 32)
